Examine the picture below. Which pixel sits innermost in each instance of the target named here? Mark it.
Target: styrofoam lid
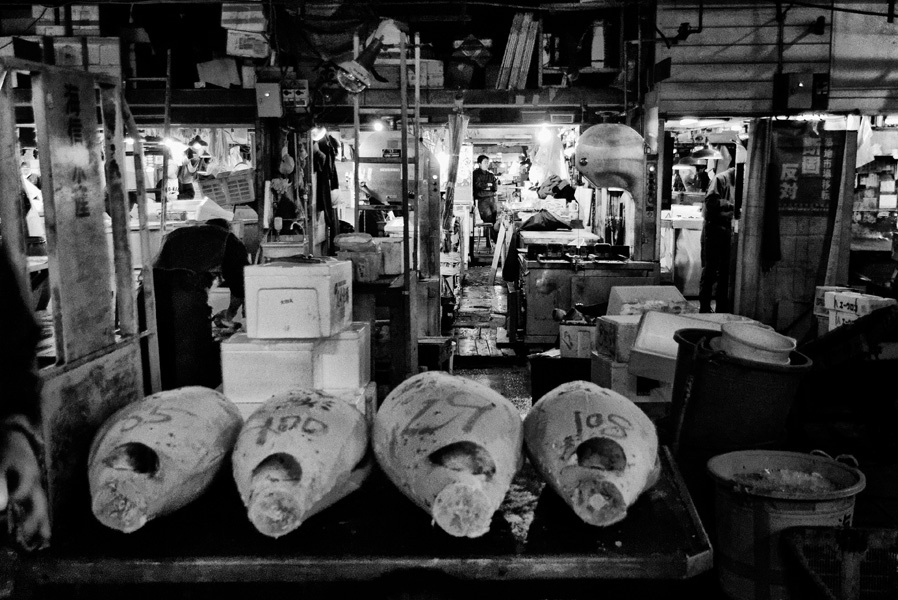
(210, 210)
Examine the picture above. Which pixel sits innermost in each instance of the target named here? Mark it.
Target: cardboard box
(391, 255)
(613, 375)
(365, 265)
(820, 301)
(254, 370)
(637, 299)
(432, 74)
(837, 318)
(286, 300)
(576, 339)
(85, 19)
(855, 303)
(344, 360)
(822, 325)
(247, 44)
(243, 17)
(616, 334)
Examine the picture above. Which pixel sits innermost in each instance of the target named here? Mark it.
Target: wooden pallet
(518, 52)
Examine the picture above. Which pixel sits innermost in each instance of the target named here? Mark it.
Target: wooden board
(527, 54)
(727, 53)
(81, 280)
(12, 224)
(76, 399)
(754, 14)
(377, 531)
(506, 70)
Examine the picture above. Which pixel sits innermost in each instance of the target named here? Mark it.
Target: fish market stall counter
(376, 531)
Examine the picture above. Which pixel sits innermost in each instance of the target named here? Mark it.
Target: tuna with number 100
(157, 455)
(452, 446)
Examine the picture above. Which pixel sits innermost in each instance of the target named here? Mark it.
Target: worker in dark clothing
(702, 179)
(485, 194)
(22, 495)
(716, 238)
(188, 263)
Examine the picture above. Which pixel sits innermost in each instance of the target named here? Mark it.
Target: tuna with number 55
(299, 452)
(595, 447)
(452, 446)
(157, 455)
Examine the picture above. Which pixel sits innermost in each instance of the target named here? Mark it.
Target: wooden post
(840, 249)
(410, 275)
(113, 132)
(149, 290)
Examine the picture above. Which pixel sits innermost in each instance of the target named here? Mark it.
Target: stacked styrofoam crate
(820, 311)
(844, 307)
(299, 334)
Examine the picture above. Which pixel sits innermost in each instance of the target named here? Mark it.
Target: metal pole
(165, 132)
(355, 157)
(403, 99)
(422, 186)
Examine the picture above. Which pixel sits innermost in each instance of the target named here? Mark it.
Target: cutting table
(375, 532)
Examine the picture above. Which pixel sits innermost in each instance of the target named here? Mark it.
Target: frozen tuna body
(595, 447)
(155, 456)
(297, 454)
(452, 446)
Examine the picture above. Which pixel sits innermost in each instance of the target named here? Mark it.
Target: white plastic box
(637, 299)
(254, 370)
(298, 300)
(654, 355)
(343, 361)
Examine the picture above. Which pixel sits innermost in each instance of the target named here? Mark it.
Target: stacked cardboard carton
(246, 27)
(847, 306)
(300, 334)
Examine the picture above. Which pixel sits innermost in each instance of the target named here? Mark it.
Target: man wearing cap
(485, 185)
(190, 260)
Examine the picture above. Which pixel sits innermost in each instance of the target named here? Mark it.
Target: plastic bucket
(750, 519)
(722, 403)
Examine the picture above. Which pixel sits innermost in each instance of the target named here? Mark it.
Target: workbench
(375, 532)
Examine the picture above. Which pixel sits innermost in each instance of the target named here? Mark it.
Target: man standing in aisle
(716, 238)
(485, 194)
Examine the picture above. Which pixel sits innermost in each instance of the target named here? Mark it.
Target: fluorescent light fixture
(688, 121)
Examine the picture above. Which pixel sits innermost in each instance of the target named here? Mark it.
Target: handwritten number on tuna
(413, 428)
(155, 416)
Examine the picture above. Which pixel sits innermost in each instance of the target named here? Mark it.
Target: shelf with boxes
(300, 333)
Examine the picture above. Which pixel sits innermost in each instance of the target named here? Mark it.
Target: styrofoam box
(254, 370)
(820, 300)
(654, 354)
(853, 302)
(616, 334)
(298, 300)
(612, 375)
(838, 318)
(366, 265)
(391, 254)
(344, 360)
(624, 300)
(576, 340)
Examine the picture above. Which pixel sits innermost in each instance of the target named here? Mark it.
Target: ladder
(98, 366)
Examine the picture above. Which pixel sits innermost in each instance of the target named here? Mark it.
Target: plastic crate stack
(299, 334)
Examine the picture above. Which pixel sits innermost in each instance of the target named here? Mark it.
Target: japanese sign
(807, 169)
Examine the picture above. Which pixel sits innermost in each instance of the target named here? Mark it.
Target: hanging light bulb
(318, 132)
(378, 125)
(707, 153)
(355, 75)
